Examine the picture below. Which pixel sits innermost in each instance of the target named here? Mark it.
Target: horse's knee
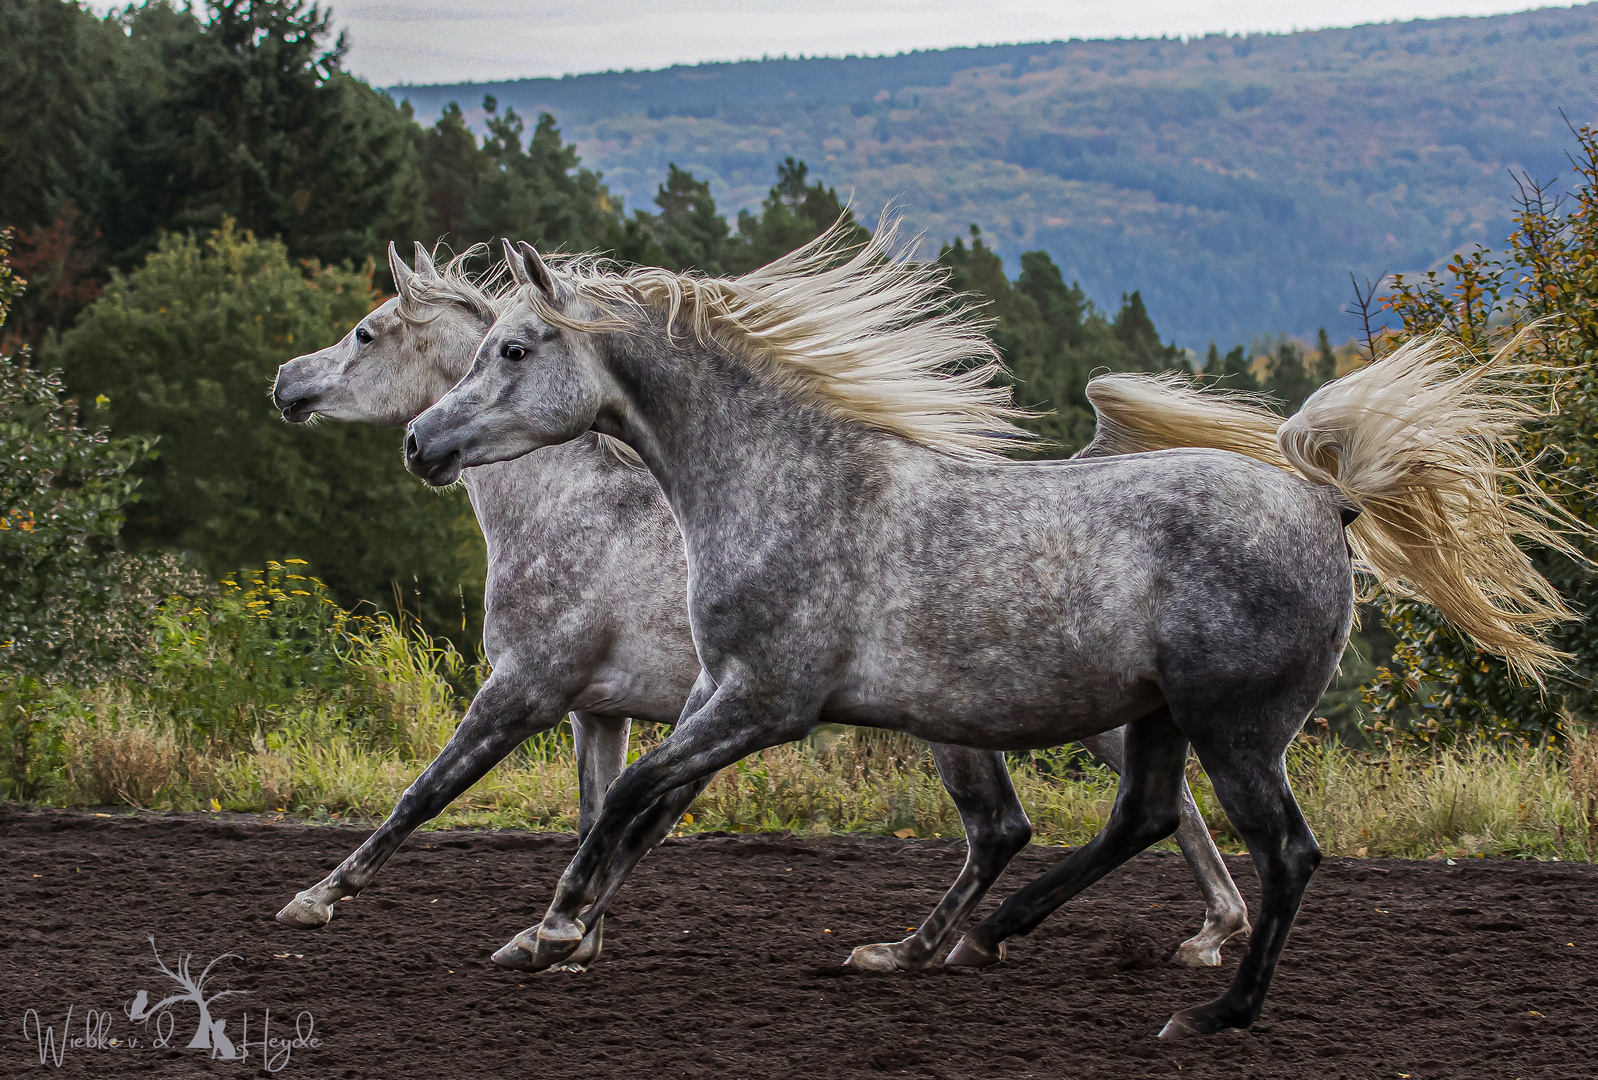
(1013, 835)
(1307, 855)
(1151, 826)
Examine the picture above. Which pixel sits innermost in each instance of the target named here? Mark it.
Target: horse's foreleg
(1252, 787)
(727, 728)
(996, 827)
(496, 723)
(1147, 809)
(1225, 913)
(601, 744)
(646, 831)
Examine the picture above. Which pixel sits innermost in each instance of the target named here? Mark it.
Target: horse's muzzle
(437, 471)
(296, 408)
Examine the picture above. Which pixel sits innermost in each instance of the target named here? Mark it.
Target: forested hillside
(1234, 181)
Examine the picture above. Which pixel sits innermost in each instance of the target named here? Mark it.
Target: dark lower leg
(1225, 913)
(496, 723)
(729, 727)
(996, 827)
(1146, 810)
(1260, 804)
(643, 836)
(646, 831)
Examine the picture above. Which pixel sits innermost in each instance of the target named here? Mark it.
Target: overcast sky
(429, 41)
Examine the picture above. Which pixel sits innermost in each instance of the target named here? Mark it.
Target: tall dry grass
(1469, 800)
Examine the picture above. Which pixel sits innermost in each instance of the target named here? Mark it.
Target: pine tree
(691, 234)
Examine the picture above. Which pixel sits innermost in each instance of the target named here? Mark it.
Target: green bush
(273, 649)
(62, 492)
(183, 349)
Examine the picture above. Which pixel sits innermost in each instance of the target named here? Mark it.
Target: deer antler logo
(209, 1035)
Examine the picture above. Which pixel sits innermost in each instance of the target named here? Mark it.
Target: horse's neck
(514, 500)
(709, 426)
(506, 497)
(453, 344)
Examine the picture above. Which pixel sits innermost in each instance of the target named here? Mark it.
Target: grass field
(1464, 801)
(269, 698)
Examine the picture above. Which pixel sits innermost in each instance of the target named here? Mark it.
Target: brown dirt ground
(722, 960)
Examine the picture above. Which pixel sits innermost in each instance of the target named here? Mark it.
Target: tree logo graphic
(209, 1034)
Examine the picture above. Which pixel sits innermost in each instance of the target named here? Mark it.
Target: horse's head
(537, 380)
(395, 362)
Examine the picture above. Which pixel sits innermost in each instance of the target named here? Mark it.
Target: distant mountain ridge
(1235, 181)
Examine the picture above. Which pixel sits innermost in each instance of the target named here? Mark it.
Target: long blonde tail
(1423, 446)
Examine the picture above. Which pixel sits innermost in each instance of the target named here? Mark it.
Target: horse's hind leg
(496, 723)
(995, 829)
(1147, 809)
(1225, 913)
(1251, 784)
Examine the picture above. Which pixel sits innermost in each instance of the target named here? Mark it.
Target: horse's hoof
(588, 951)
(1194, 953)
(1182, 1025)
(1204, 1020)
(519, 954)
(876, 958)
(966, 954)
(1203, 949)
(305, 912)
(549, 944)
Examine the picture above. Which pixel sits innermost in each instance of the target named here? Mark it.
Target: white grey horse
(858, 552)
(586, 612)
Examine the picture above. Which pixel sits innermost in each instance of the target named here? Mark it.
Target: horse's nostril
(413, 449)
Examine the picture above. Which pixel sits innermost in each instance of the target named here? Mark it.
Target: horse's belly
(653, 692)
(997, 709)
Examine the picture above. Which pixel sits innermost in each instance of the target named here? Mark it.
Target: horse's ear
(404, 276)
(537, 271)
(424, 261)
(518, 269)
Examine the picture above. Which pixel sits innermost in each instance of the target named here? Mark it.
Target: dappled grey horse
(586, 613)
(826, 434)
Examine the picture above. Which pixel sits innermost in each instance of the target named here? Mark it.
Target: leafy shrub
(62, 490)
(72, 607)
(273, 645)
(183, 349)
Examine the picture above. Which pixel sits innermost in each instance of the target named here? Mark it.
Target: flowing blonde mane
(861, 330)
(482, 293)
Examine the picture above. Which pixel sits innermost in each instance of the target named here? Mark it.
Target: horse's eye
(514, 352)
(363, 335)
